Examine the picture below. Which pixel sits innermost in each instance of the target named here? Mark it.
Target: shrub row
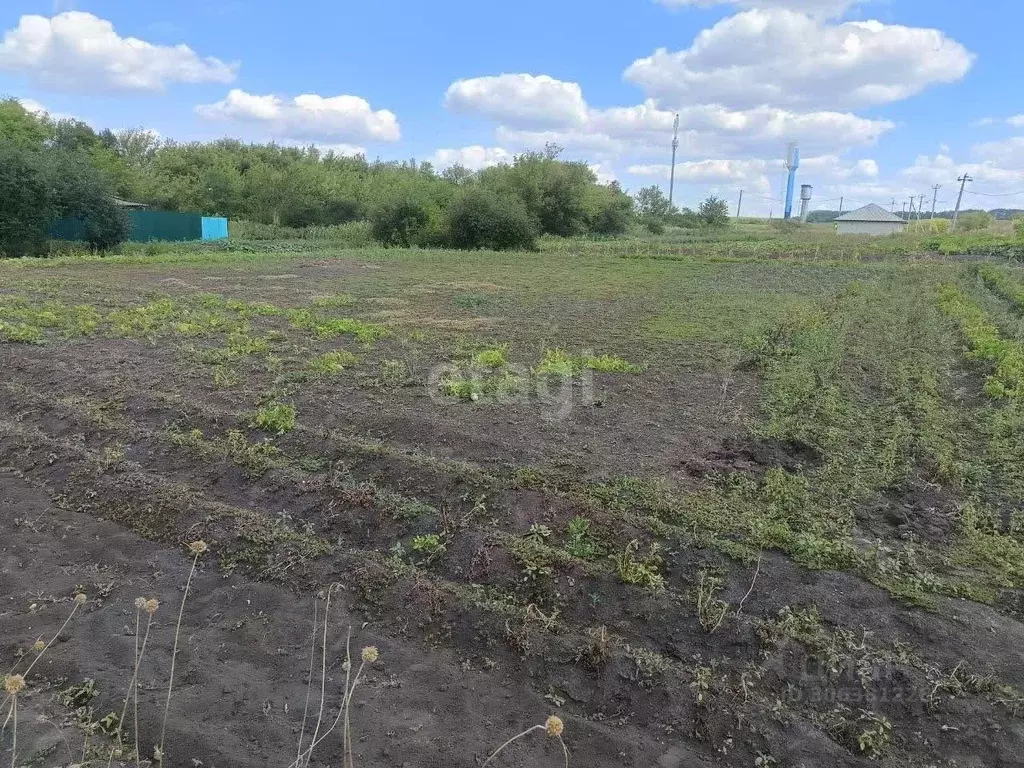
(986, 343)
(1002, 284)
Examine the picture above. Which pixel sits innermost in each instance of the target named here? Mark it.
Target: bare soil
(94, 496)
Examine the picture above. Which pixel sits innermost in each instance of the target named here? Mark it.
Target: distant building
(870, 220)
(129, 204)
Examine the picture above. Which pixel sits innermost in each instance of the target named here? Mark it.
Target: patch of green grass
(1003, 283)
(492, 357)
(256, 458)
(337, 301)
(473, 300)
(474, 387)
(21, 333)
(414, 510)
(328, 328)
(558, 363)
(610, 364)
(332, 363)
(1007, 356)
(274, 417)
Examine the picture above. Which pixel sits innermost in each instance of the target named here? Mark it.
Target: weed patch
(274, 417)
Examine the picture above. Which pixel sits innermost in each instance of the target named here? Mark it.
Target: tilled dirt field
(446, 528)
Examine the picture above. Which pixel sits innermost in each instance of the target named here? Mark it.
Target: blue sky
(886, 97)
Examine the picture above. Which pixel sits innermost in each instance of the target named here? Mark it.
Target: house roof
(128, 203)
(871, 212)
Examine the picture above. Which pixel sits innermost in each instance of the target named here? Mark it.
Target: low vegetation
(753, 484)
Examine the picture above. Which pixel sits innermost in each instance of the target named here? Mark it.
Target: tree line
(56, 168)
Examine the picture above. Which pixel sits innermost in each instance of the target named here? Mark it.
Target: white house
(870, 220)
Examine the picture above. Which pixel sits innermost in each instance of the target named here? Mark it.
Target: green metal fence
(146, 227)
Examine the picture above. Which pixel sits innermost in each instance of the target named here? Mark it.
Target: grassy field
(749, 500)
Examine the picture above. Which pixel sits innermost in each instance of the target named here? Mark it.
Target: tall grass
(353, 234)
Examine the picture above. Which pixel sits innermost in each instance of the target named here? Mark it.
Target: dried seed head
(370, 654)
(140, 603)
(39, 646)
(554, 726)
(346, 666)
(80, 598)
(151, 605)
(197, 547)
(13, 684)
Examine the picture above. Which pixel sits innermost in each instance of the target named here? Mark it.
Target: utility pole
(935, 197)
(904, 214)
(841, 205)
(956, 214)
(920, 206)
(675, 146)
(911, 209)
(892, 206)
(739, 205)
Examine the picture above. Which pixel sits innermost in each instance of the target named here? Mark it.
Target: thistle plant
(553, 727)
(368, 656)
(195, 548)
(149, 607)
(13, 683)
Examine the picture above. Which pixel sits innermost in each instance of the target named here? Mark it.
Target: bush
(654, 225)
(27, 207)
(553, 192)
(974, 221)
(481, 219)
(714, 212)
(686, 219)
(1018, 227)
(611, 210)
(399, 221)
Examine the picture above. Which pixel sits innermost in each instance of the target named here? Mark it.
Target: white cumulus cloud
(736, 171)
(1017, 121)
(520, 100)
(561, 115)
(789, 59)
(334, 119)
(1007, 154)
(77, 51)
(473, 158)
(33, 106)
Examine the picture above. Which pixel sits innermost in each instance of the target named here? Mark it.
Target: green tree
(554, 192)
(27, 208)
(81, 192)
(71, 135)
(651, 203)
(478, 218)
(21, 128)
(713, 212)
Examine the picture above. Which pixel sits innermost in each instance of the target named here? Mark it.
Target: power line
(769, 199)
(992, 194)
